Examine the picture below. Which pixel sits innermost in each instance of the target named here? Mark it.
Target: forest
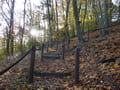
(59, 44)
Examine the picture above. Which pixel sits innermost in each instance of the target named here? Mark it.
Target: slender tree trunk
(95, 13)
(49, 22)
(102, 33)
(106, 14)
(110, 15)
(23, 29)
(54, 16)
(119, 12)
(84, 16)
(66, 20)
(31, 22)
(77, 22)
(7, 43)
(62, 2)
(11, 31)
(57, 27)
(57, 15)
(46, 32)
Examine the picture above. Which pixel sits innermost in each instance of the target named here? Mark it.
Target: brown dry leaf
(7, 73)
(37, 78)
(71, 57)
(25, 89)
(115, 54)
(59, 70)
(92, 61)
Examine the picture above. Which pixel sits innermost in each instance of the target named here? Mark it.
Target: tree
(77, 22)
(106, 16)
(56, 15)
(23, 29)
(49, 21)
(119, 12)
(9, 18)
(66, 20)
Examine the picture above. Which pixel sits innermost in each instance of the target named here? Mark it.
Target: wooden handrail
(5, 70)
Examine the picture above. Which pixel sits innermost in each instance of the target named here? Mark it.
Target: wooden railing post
(63, 50)
(32, 62)
(77, 66)
(42, 51)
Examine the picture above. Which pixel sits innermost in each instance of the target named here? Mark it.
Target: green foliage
(2, 53)
(32, 42)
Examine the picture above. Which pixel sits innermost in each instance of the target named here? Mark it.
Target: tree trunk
(119, 12)
(101, 20)
(11, 31)
(106, 14)
(57, 15)
(84, 17)
(23, 29)
(49, 22)
(77, 22)
(66, 20)
(110, 15)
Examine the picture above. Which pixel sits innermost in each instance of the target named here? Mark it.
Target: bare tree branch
(6, 20)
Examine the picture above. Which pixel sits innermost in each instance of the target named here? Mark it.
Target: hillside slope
(97, 49)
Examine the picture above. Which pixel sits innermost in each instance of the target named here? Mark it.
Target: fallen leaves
(93, 76)
(116, 66)
(81, 66)
(37, 78)
(95, 50)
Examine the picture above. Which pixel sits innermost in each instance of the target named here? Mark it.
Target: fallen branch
(111, 59)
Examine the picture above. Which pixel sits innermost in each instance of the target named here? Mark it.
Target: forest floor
(97, 49)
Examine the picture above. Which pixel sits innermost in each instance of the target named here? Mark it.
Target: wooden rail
(5, 70)
(55, 74)
(32, 62)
